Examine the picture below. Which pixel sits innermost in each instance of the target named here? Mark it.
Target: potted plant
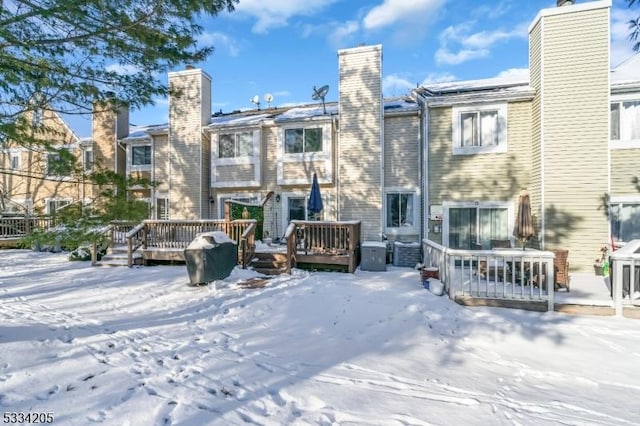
(602, 262)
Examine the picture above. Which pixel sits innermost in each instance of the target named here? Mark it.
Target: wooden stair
(269, 263)
(117, 255)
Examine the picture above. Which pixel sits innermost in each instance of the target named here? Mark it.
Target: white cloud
(515, 73)
(276, 13)
(458, 44)
(443, 77)
(621, 46)
(394, 85)
(219, 40)
(393, 11)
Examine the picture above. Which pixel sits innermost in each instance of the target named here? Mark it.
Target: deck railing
(625, 275)
(13, 227)
(324, 238)
(178, 234)
(505, 274)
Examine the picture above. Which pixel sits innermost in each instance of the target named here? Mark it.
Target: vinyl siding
(401, 151)
(161, 162)
(481, 177)
(535, 79)
(625, 167)
(304, 170)
(360, 146)
(241, 172)
(185, 139)
(575, 65)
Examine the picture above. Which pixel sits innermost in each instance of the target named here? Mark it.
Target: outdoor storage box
(406, 254)
(374, 256)
(210, 256)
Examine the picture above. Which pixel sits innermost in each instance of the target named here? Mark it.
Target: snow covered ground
(140, 346)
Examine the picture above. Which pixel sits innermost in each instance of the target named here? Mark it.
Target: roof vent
(564, 2)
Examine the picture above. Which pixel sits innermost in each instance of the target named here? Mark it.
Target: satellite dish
(256, 101)
(319, 94)
(268, 99)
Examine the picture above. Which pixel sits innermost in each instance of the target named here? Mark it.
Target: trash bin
(210, 256)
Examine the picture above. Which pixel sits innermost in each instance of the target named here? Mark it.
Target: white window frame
(139, 167)
(509, 205)
(622, 199)
(457, 112)
(161, 198)
(403, 230)
(15, 155)
(47, 202)
(69, 149)
(86, 151)
(236, 135)
(306, 157)
(253, 160)
(622, 143)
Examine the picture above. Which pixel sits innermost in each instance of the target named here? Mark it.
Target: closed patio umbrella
(314, 204)
(523, 227)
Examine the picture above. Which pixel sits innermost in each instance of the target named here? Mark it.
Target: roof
(627, 74)
(145, 132)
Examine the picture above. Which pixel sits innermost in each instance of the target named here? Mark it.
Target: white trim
(50, 199)
(580, 7)
(457, 149)
(284, 206)
(625, 199)
(234, 195)
(509, 205)
(417, 201)
(253, 160)
(306, 157)
(142, 167)
(14, 153)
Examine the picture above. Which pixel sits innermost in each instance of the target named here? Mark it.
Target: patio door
(296, 208)
(472, 227)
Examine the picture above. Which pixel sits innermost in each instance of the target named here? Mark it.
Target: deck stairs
(117, 255)
(269, 263)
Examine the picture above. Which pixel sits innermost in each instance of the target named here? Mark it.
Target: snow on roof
(239, 119)
(506, 83)
(308, 112)
(143, 132)
(627, 72)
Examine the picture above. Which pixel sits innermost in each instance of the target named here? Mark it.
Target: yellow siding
(360, 147)
(575, 110)
(625, 167)
(482, 177)
(401, 151)
(535, 79)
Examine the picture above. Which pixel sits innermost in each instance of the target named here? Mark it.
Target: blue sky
(285, 47)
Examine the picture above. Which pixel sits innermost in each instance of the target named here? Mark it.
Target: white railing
(507, 274)
(625, 267)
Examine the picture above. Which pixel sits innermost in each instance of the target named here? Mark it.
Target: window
(298, 141)
(235, 145)
(60, 162)
(400, 210)
(296, 208)
(141, 155)
(15, 161)
(88, 160)
(479, 129)
(474, 227)
(625, 121)
(162, 208)
(625, 221)
(54, 205)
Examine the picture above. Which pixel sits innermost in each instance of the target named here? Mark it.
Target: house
(569, 134)
(447, 162)
(44, 178)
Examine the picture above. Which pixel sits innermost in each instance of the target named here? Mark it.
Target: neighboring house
(570, 134)
(38, 178)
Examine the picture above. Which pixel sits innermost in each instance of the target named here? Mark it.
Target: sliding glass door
(473, 228)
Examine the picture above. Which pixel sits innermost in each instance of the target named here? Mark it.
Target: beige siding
(241, 172)
(401, 151)
(301, 170)
(535, 78)
(360, 147)
(186, 115)
(575, 111)
(31, 181)
(625, 168)
(482, 177)
(161, 163)
(206, 210)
